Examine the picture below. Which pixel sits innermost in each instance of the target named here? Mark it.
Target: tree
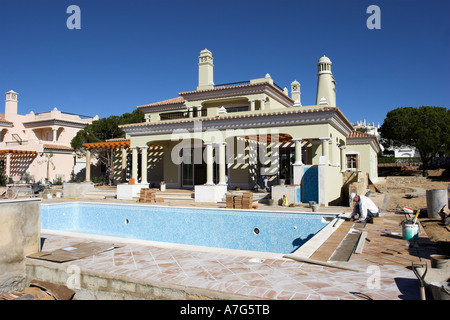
(101, 130)
(425, 128)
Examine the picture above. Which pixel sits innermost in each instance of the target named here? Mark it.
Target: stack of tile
(229, 200)
(242, 200)
(247, 199)
(147, 196)
(237, 201)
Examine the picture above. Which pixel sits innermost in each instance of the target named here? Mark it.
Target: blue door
(310, 185)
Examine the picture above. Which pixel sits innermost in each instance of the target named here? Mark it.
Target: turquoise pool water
(234, 229)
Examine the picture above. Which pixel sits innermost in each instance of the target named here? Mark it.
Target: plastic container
(439, 261)
(436, 199)
(410, 231)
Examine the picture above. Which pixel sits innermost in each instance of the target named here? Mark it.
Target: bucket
(439, 261)
(410, 231)
(315, 207)
(436, 199)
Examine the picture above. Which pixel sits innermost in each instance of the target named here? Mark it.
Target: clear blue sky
(129, 53)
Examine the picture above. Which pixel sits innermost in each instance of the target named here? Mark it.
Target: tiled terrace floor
(382, 276)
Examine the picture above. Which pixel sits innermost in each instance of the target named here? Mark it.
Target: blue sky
(129, 53)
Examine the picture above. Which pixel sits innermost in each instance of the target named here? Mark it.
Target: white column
(88, 165)
(252, 105)
(262, 101)
(297, 166)
(134, 163)
(343, 164)
(325, 148)
(144, 164)
(298, 152)
(124, 164)
(222, 163)
(55, 133)
(209, 164)
(191, 112)
(199, 111)
(8, 165)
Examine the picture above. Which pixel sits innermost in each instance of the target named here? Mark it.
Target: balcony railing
(16, 143)
(183, 114)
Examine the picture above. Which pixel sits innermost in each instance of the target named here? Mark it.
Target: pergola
(18, 155)
(113, 144)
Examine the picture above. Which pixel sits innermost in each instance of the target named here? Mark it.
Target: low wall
(20, 235)
(396, 180)
(76, 190)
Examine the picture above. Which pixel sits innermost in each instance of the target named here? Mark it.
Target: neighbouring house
(223, 136)
(37, 145)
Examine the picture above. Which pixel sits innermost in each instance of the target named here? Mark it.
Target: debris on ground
(40, 290)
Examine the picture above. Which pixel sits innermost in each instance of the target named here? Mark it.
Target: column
(343, 164)
(297, 166)
(252, 105)
(199, 111)
(55, 133)
(144, 164)
(8, 165)
(191, 112)
(124, 164)
(298, 152)
(134, 163)
(262, 101)
(209, 164)
(222, 163)
(88, 165)
(325, 148)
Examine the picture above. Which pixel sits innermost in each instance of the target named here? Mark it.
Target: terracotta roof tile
(56, 147)
(231, 116)
(164, 102)
(357, 134)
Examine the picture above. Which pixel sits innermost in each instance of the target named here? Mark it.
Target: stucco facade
(38, 144)
(232, 134)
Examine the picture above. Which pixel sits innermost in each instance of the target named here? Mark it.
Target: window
(352, 162)
(237, 109)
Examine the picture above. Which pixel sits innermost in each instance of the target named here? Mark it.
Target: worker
(364, 208)
(285, 201)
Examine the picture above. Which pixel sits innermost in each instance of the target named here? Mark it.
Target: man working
(364, 207)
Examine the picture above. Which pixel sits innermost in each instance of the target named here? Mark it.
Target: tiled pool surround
(263, 231)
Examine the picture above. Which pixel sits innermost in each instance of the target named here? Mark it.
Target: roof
(225, 87)
(358, 134)
(237, 115)
(356, 137)
(3, 152)
(116, 144)
(56, 147)
(324, 59)
(2, 118)
(164, 102)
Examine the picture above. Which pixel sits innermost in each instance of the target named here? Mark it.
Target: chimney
(205, 70)
(295, 92)
(11, 105)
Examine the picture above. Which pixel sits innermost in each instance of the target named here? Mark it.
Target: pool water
(275, 232)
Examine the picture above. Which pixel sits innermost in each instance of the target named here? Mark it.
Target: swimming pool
(275, 232)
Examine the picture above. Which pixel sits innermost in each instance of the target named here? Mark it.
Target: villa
(37, 145)
(226, 136)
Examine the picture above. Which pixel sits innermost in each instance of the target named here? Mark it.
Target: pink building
(38, 144)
